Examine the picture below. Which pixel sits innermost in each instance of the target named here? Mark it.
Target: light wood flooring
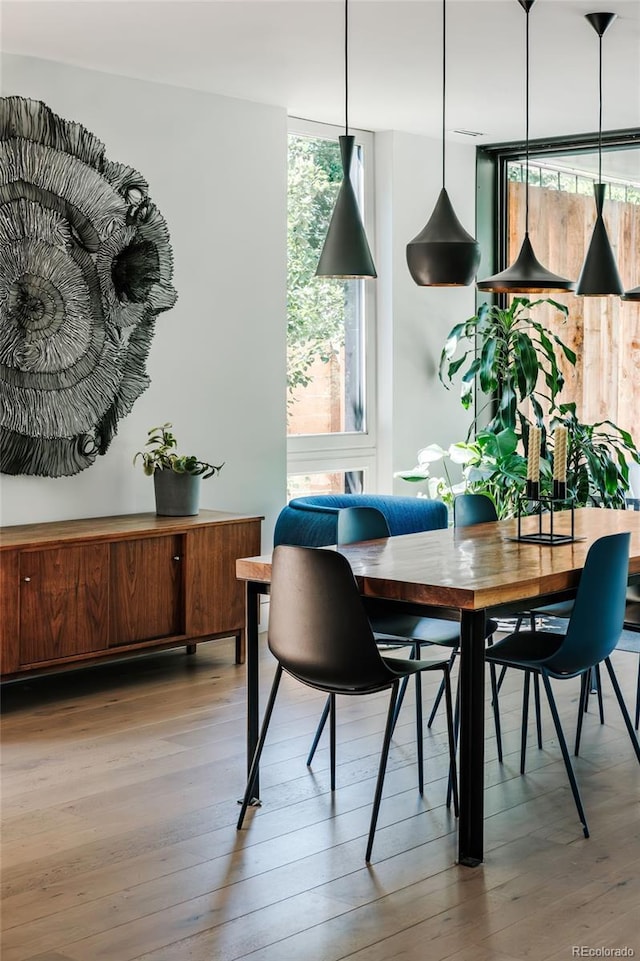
(119, 842)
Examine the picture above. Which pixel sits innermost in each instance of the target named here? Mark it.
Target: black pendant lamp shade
(599, 276)
(633, 294)
(526, 275)
(345, 253)
(346, 250)
(443, 254)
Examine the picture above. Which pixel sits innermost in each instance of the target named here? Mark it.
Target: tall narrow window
(329, 336)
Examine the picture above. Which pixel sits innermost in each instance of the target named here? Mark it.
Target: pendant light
(599, 276)
(346, 253)
(633, 294)
(443, 254)
(526, 275)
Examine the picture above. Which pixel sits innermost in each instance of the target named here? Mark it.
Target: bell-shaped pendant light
(443, 254)
(599, 276)
(526, 275)
(346, 252)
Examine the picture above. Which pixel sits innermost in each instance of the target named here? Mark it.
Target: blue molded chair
(592, 634)
(320, 634)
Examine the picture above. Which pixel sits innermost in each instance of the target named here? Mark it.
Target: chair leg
(436, 703)
(536, 701)
(584, 694)
(415, 655)
(456, 729)
(565, 755)
(388, 731)
(496, 709)
(319, 730)
(501, 678)
(419, 742)
(452, 787)
(525, 720)
(332, 739)
(599, 690)
(251, 780)
(623, 707)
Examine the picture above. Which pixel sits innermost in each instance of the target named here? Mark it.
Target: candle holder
(548, 537)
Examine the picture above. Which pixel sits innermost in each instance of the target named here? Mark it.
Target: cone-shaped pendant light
(443, 254)
(599, 276)
(346, 252)
(526, 275)
(633, 294)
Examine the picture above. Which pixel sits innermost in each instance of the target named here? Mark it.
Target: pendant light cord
(346, 67)
(444, 82)
(600, 116)
(526, 134)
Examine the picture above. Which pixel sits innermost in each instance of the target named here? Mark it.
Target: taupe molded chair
(320, 634)
(592, 634)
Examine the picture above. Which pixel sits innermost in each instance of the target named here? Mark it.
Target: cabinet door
(215, 598)
(146, 589)
(64, 602)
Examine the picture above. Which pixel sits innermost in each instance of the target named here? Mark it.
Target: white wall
(415, 408)
(216, 168)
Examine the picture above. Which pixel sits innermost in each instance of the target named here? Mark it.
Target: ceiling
(290, 52)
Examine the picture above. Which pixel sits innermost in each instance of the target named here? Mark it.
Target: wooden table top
(472, 568)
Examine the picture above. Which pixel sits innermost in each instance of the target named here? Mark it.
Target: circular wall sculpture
(85, 268)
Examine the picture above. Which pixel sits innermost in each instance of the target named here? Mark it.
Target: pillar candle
(560, 454)
(533, 461)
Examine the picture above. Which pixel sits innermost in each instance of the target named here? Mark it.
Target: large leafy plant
(509, 364)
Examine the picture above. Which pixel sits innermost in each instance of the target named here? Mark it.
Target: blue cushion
(311, 521)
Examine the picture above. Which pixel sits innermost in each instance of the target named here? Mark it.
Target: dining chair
(391, 629)
(592, 633)
(320, 634)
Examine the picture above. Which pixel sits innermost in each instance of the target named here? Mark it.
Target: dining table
(466, 573)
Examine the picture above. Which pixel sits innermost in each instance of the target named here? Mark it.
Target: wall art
(85, 268)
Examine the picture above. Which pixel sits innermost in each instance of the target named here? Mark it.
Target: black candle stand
(545, 507)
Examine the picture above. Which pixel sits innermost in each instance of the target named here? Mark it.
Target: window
(330, 356)
(603, 331)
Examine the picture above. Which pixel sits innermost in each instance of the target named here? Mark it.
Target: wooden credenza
(80, 590)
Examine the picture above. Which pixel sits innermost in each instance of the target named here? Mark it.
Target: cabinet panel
(146, 589)
(215, 598)
(64, 602)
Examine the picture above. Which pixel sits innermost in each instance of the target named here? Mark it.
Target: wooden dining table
(465, 573)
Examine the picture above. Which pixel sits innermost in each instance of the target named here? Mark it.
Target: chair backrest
(318, 629)
(598, 613)
(471, 509)
(361, 524)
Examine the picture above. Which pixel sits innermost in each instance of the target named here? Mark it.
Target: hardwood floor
(119, 843)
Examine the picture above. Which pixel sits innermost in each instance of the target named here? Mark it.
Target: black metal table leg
(252, 597)
(471, 826)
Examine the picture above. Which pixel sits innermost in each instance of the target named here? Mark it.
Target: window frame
(316, 453)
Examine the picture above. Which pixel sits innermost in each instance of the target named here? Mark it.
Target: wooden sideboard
(80, 590)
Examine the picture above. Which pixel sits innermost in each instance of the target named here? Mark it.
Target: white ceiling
(290, 52)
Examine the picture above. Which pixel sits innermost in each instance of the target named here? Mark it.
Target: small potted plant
(176, 477)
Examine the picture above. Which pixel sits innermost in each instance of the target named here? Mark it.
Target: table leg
(471, 827)
(252, 599)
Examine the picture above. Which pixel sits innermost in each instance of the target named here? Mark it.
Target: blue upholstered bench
(311, 521)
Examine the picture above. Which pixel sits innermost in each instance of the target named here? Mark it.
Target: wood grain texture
(475, 567)
(119, 840)
(74, 591)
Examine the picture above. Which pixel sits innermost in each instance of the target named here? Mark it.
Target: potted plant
(176, 477)
(513, 362)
